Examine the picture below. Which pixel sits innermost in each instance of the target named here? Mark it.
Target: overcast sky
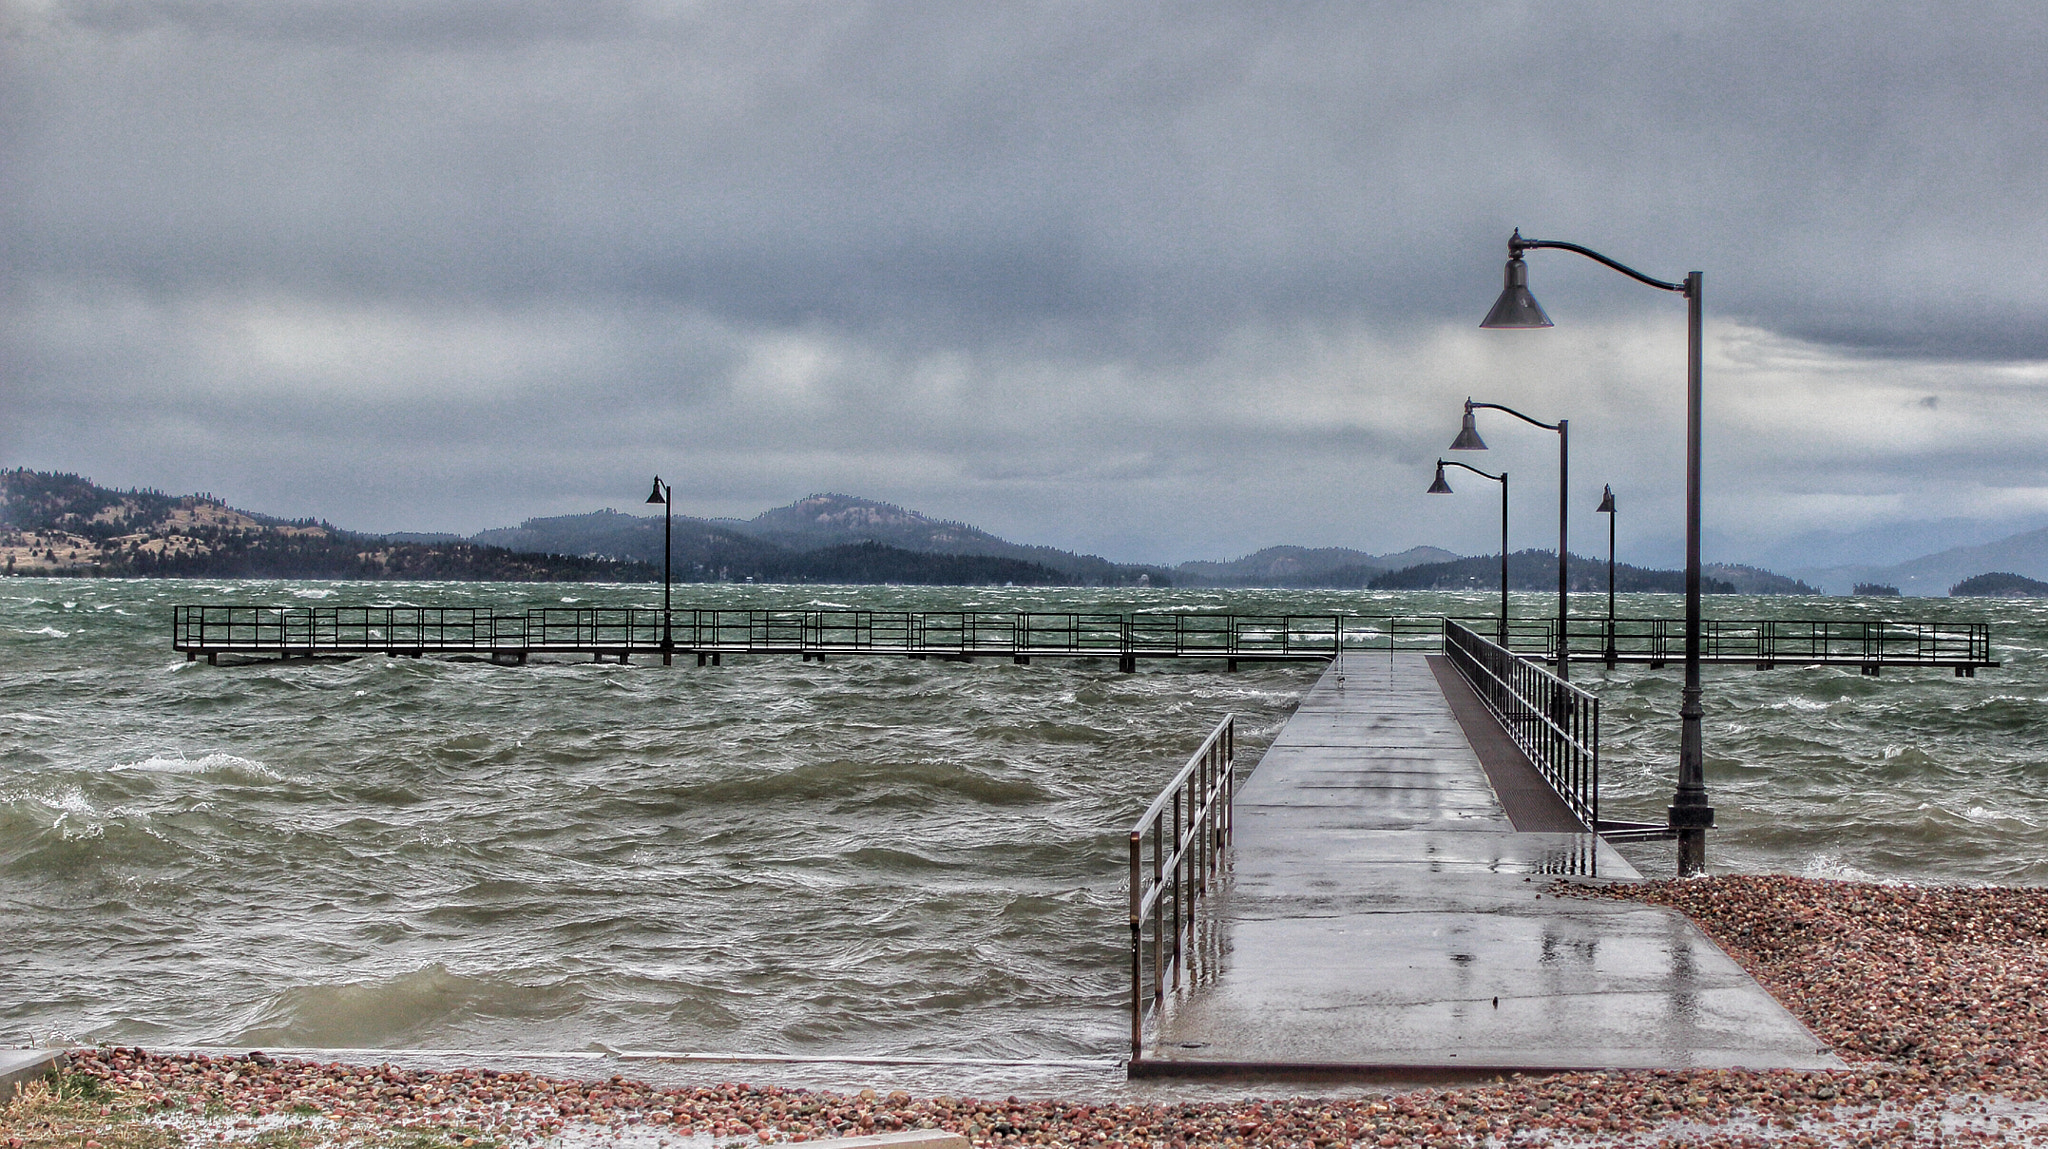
(1155, 281)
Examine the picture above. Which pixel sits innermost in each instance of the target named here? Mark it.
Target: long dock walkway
(1389, 912)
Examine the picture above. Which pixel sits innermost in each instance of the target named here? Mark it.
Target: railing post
(1137, 948)
(1158, 919)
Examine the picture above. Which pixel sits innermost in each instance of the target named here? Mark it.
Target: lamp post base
(1690, 824)
(1692, 853)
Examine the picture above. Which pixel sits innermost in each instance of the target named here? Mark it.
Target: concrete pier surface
(1389, 914)
(18, 1067)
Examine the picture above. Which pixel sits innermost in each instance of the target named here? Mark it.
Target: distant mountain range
(2024, 554)
(64, 524)
(702, 545)
(713, 549)
(53, 524)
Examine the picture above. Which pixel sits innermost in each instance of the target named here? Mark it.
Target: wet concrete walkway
(1386, 916)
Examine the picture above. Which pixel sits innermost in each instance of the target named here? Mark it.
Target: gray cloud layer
(446, 263)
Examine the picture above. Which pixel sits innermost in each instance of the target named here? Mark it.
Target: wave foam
(177, 763)
(1832, 866)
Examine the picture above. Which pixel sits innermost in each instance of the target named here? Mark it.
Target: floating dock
(709, 634)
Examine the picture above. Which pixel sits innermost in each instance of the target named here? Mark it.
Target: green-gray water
(869, 855)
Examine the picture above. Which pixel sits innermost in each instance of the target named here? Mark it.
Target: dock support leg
(1230, 666)
(1128, 664)
(668, 658)
(213, 658)
(193, 656)
(1021, 659)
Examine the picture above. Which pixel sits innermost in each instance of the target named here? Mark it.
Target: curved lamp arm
(1517, 245)
(1470, 407)
(1500, 478)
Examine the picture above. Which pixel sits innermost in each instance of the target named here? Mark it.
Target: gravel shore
(1933, 994)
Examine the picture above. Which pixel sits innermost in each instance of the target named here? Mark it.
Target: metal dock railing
(710, 633)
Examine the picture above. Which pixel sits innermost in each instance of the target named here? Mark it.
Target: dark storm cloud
(410, 24)
(1870, 178)
(1022, 258)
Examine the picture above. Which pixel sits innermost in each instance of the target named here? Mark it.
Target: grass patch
(82, 1111)
(69, 1110)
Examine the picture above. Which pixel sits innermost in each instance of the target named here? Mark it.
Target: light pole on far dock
(1440, 487)
(1606, 507)
(1690, 815)
(1468, 440)
(665, 494)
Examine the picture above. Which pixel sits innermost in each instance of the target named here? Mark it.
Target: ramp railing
(1177, 851)
(1553, 722)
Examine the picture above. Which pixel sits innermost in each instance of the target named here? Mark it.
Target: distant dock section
(709, 634)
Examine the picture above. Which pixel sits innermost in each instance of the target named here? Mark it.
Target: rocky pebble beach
(1933, 995)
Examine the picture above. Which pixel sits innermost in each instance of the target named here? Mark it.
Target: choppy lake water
(864, 856)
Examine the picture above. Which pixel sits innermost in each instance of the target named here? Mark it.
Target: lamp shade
(1516, 308)
(657, 496)
(1606, 506)
(1440, 487)
(1468, 436)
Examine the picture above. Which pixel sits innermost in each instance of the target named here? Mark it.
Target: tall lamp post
(1690, 815)
(665, 494)
(1606, 507)
(1440, 487)
(1468, 440)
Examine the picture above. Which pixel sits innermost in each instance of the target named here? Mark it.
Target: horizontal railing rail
(621, 631)
(1556, 724)
(1768, 642)
(1176, 856)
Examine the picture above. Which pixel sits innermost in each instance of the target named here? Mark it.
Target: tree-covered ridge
(2000, 584)
(1537, 570)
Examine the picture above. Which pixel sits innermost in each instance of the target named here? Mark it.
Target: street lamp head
(1468, 436)
(1516, 308)
(657, 496)
(1606, 506)
(1440, 487)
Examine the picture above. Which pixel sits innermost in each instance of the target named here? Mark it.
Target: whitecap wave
(1832, 866)
(215, 762)
(1987, 815)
